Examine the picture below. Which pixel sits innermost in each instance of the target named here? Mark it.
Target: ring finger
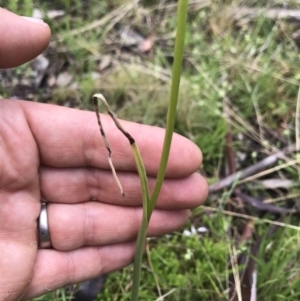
(96, 224)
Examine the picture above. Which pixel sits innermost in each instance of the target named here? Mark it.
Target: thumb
(22, 39)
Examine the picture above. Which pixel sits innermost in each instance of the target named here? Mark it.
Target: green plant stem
(176, 72)
(139, 251)
(144, 225)
(149, 204)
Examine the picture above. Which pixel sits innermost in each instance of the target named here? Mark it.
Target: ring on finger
(43, 228)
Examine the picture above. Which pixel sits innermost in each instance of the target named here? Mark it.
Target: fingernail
(34, 20)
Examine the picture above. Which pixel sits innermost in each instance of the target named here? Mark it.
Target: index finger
(71, 138)
(21, 40)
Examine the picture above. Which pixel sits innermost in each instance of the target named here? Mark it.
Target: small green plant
(149, 202)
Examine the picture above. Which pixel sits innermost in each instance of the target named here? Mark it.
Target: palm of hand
(20, 201)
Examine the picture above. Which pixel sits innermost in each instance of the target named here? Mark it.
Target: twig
(229, 154)
(236, 119)
(230, 160)
(274, 183)
(153, 271)
(258, 205)
(249, 171)
(236, 293)
(166, 294)
(254, 218)
(246, 266)
(282, 198)
(297, 119)
(117, 13)
(275, 135)
(273, 13)
(271, 170)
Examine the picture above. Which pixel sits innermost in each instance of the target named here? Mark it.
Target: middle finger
(75, 185)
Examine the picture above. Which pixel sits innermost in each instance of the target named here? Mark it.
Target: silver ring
(43, 229)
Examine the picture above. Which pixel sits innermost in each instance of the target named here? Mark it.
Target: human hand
(58, 153)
